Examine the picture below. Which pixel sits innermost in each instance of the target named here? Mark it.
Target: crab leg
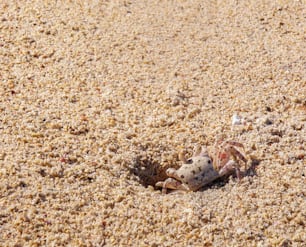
(221, 158)
(171, 183)
(235, 152)
(229, 167)
(234, 143)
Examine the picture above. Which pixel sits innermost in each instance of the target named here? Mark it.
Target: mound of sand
(97, 99)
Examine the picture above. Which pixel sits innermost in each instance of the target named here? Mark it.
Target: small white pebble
(237, 120)
(240, 230)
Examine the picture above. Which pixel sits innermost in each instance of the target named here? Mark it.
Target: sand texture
(97, 98)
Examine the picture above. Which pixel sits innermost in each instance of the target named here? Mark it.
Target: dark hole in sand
(148, 171)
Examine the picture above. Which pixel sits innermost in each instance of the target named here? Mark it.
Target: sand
(99, 97)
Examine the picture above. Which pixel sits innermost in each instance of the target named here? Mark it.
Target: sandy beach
(97, 99)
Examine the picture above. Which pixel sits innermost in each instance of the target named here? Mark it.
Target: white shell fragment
(237, 120)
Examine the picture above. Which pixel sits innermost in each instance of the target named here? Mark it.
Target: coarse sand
(97, 98)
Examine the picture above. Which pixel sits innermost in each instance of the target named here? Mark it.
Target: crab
(201, 169)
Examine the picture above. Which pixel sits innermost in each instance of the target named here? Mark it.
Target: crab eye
(189, 161)
(209, 161)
